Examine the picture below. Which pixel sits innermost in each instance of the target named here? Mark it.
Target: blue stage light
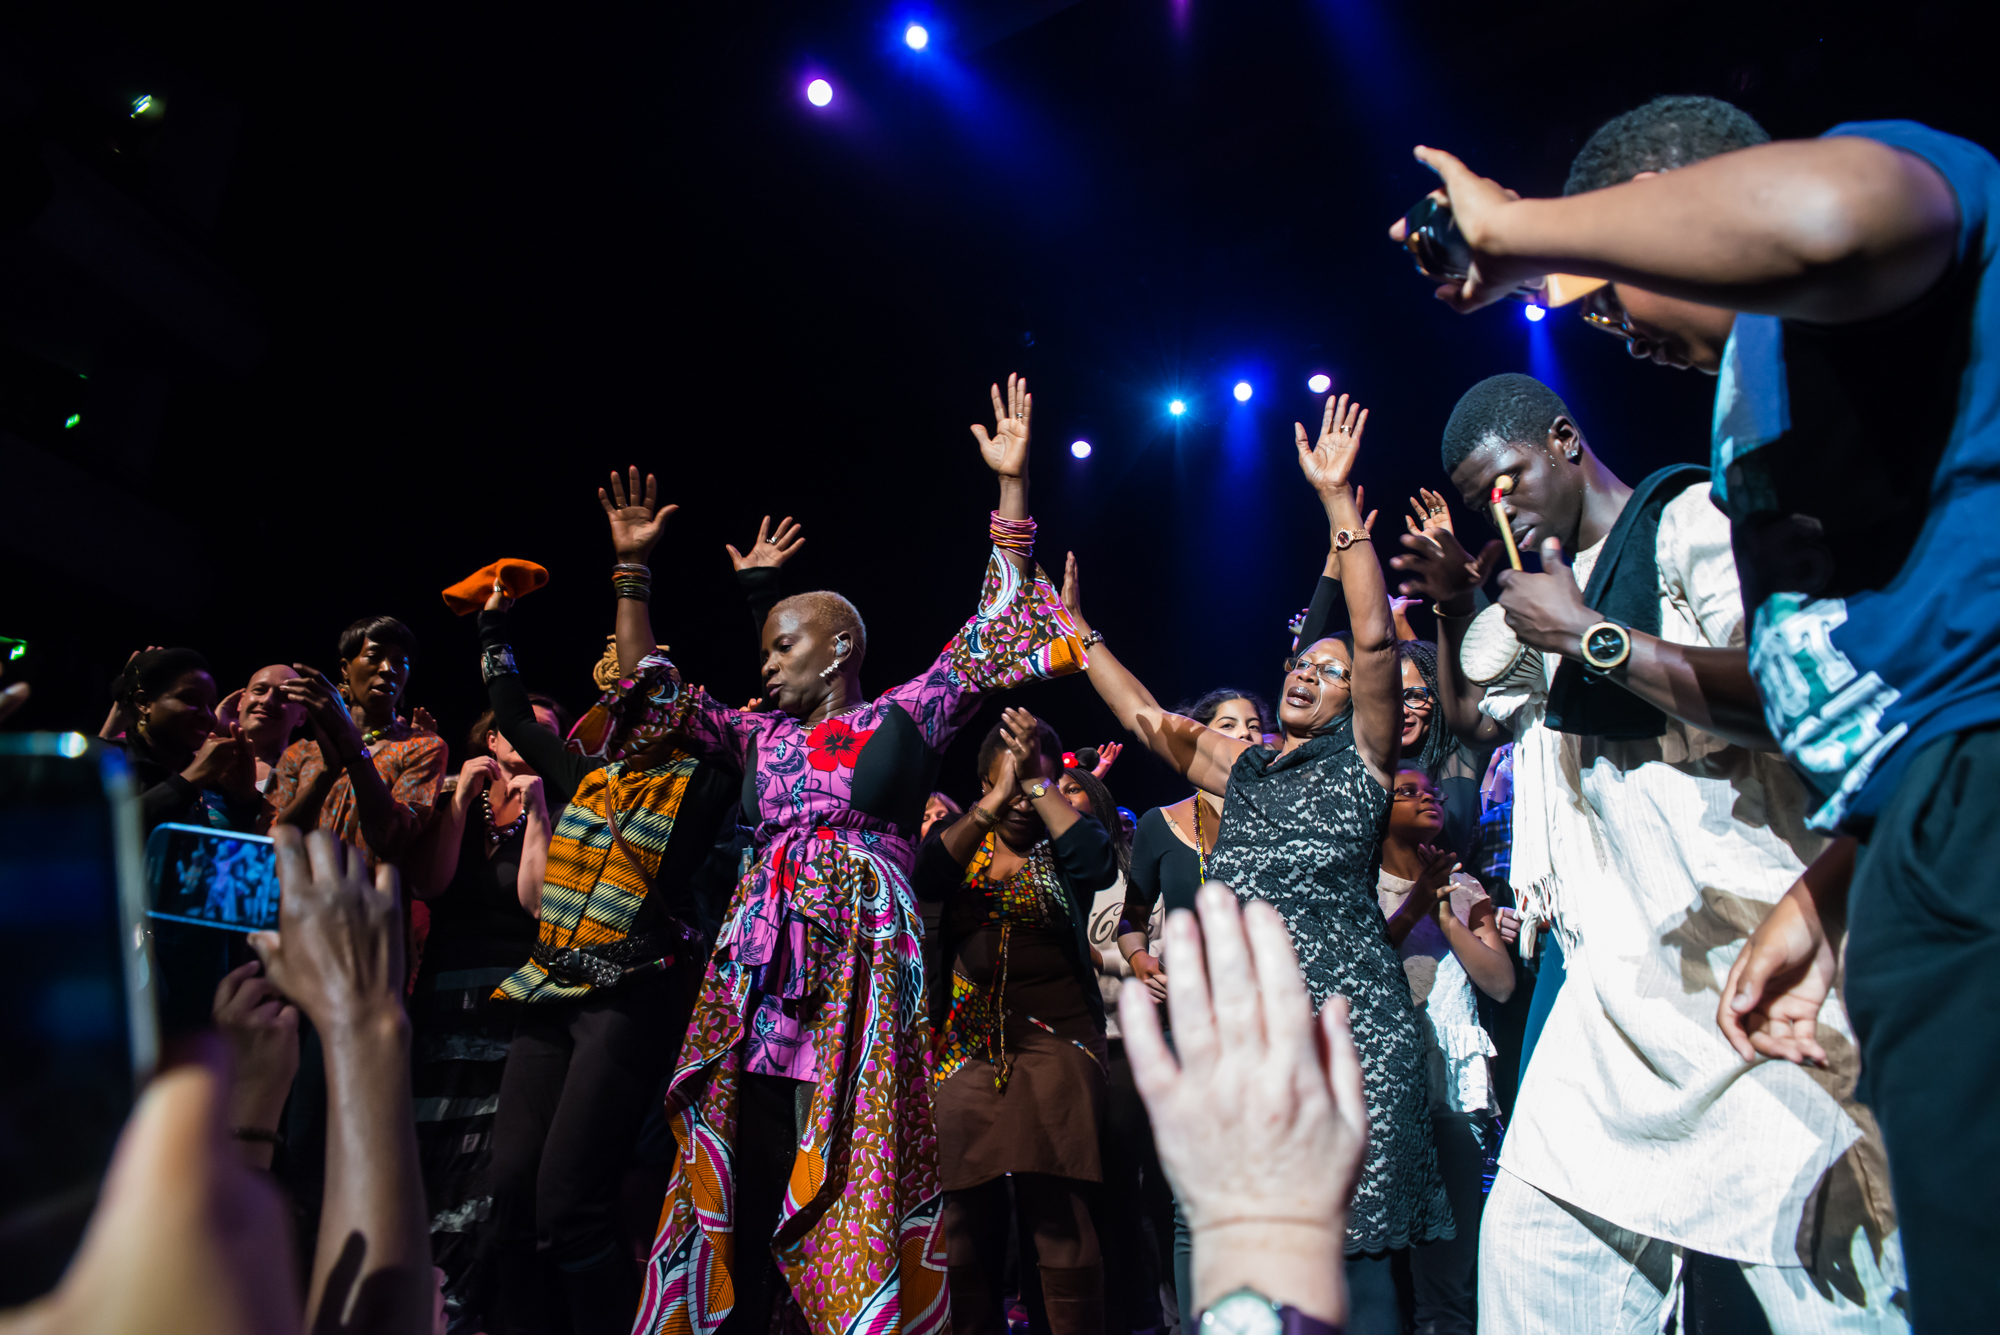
(916, 37)
(1243, 391)
(1535, 314)
(1080, 448)
(1320, 383)
(1177, 407)
(819, 92)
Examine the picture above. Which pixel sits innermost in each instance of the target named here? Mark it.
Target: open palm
(1006, 449)
(1329, 464)
(636, 520)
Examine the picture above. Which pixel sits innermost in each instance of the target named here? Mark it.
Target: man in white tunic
(1653, 830)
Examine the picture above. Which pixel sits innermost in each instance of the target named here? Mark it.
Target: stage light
(74, 420)
(819, 92)
(1080, 448)
(915, 37)
(1177, 407)
(1319, 384)
(147, 107)
(1535, 314)
(1243, 391)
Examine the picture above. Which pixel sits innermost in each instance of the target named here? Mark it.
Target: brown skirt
(1046, 1121)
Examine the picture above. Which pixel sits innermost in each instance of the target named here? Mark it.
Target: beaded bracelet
(1016, 537)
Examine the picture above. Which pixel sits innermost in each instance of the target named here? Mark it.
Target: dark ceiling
(410, 278)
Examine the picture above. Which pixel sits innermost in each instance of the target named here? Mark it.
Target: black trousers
(1442, 1274)
(1923, 992)
(580, 1077)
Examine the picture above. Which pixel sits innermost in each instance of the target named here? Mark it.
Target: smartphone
(83, 1032)
(212, 878)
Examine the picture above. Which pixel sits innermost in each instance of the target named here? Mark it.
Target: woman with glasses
(1302, 827)
(1447, 933)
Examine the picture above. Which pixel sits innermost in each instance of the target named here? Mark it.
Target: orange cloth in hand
(519, 578)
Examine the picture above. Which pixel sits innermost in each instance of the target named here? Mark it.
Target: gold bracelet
(1452, 616)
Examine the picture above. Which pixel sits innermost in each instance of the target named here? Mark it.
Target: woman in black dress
(479, 875)
(1021, 1082)
(1302, 827)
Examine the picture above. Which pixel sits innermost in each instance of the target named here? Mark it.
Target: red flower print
(833, 743)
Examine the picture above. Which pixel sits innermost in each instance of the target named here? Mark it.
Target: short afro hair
(1666, 133)
(1501, 410)
(835, 613)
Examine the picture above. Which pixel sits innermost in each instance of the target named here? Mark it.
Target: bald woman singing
(802, 1101)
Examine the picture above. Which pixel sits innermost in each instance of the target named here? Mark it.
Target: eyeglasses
(1327, 670)
(1418, 697)
(1409, 792)
(1602, 310)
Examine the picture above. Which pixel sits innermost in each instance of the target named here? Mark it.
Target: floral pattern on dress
(1304, 831)
(818, 976)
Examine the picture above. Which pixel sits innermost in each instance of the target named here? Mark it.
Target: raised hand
(1435, 568)
(1433, 884)
(1329, 464)
(120, 720)
(771, 549)
(1021, 735)
(1258, 1110)
(338, 950)
(421, 720)
(1476, 206)
(1429, 512)
(636, 520)
(1107, 755)
(223, 763)
(262, 1031)
(1072, 591)
(1006, 450)
(225, 713)
(528, 789)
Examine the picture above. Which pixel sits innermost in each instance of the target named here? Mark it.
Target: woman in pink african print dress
(802, 1102)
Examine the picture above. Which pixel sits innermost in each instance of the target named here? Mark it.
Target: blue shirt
(1859, 465)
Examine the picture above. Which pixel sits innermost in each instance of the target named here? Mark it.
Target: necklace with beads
(497, 834)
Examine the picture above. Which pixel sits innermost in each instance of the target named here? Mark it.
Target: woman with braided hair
(801, 1103)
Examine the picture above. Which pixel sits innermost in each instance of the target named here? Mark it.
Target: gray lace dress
(1304, 831)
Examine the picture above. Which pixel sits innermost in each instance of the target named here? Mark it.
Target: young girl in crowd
(1302, 828)
(1021, 1082)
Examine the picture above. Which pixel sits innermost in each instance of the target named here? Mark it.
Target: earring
(831, 668)
(840, 651)
(1574, 454)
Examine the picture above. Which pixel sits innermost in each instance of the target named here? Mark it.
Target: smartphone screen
(213, 878)
(82, 1032)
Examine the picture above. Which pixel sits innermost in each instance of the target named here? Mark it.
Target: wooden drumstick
(1501, 486)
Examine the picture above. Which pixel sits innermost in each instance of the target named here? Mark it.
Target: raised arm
(1378, 678)
(1006, 453)
(1436, 568)
(636, 523)
(1829, 230)
(1201, 755)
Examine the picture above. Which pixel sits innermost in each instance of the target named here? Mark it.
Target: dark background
(386, 289)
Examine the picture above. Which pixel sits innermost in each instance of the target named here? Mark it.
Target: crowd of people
(1611, 963)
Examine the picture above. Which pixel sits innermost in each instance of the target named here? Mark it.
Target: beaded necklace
(497, 834)
(1030, 894)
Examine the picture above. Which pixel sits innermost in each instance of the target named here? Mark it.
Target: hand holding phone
(338, 950)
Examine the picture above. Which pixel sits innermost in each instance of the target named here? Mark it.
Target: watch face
(1604, 645)
(1242, 1313)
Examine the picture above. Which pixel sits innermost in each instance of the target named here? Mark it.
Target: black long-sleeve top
(167, 798)
(1084, 865)
(1163, 867)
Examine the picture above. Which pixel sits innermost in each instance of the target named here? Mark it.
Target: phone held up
(84, 1031)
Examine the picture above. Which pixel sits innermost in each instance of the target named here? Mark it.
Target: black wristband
(497, 660)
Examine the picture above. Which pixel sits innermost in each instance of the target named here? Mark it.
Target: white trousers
(1546, 1268)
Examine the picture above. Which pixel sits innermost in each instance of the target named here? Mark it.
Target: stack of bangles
(1016, 537)
(632, 580)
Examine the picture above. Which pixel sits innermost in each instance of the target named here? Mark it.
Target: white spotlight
(1177, 407)
(1243, 391)
(819, 92)
(1080, 448)
(915, 37)
(1320, 383)
(1535, 314)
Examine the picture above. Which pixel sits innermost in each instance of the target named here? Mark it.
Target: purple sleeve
(1019, 633)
